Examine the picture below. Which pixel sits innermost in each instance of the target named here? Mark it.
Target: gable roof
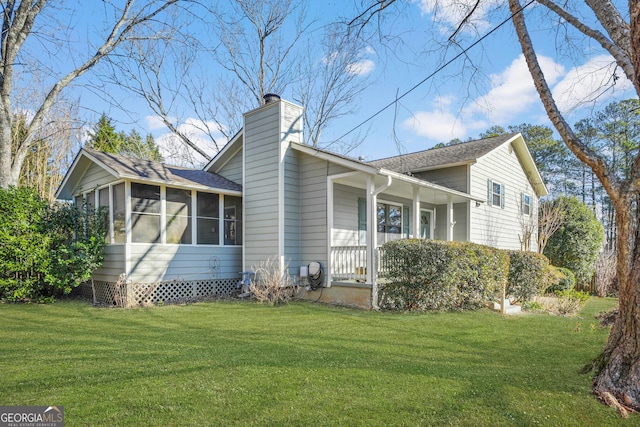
(435, 158)
(463, 154)
(142, 170)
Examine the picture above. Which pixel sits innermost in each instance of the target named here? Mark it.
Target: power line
(442, 67)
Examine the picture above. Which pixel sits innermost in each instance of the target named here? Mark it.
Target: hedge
(426, 275)
(434, 275)
(528, 275)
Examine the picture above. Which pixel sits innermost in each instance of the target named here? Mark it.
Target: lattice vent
(166, 292)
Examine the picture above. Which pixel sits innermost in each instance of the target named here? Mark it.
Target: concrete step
(508, 308)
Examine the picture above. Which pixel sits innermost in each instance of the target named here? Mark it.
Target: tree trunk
(617, 379)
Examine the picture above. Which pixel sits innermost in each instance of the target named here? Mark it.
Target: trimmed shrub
(435, 275)
(560, 279)
(528, 275)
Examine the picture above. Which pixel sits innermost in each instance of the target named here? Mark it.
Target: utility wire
(442, 67)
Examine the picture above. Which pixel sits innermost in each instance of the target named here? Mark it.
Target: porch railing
(350, 263)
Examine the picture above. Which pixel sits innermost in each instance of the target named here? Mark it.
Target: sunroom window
(208, 219)
(145, 213)
(232, 220)
(178, 216)
(119, 214)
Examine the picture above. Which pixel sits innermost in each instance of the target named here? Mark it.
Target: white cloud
(512, 91)
(177, 152)
(438, 125)
(361, 68)
(154, 123)
(452, 12)
(590, 82)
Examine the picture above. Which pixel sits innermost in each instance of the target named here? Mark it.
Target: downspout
(371, 248)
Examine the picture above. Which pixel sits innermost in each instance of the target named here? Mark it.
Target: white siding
(493, 225)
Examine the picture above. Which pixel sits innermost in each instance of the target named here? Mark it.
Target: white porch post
(416, 212)
(371, 229)
(450, 222)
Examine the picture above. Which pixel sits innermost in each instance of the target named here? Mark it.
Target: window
(119, 224)
(389, 218)
(232, 220)
(178, 210)
(208, 219)
(526, 203)
(496, 194)
(90, 198)
(145, 213)
(103, 203)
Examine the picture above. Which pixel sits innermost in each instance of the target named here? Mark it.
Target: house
(267, 195)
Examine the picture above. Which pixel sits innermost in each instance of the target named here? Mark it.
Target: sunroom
(176, 226)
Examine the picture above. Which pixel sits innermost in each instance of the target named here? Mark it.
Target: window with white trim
(495, 194)
(389, 218)
(525, 203)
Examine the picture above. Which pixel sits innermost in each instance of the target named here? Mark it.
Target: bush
(560, 279)
(570, 301)
(24, 243)
(578, 241)
(422, 275)
(46, 251)
(528, 275)
(270, 285)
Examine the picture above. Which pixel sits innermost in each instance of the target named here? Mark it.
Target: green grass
(301, 364)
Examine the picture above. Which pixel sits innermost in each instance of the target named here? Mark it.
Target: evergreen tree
(104, 137)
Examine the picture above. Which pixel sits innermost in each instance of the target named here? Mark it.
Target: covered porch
(365, 210)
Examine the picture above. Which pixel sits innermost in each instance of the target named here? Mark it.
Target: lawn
(300, 364)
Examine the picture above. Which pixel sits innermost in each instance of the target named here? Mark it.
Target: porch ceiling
(403, 186)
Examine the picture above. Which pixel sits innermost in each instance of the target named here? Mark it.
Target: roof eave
(426, 184)
(339, 160)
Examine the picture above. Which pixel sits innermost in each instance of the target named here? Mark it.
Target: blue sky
(490, 85)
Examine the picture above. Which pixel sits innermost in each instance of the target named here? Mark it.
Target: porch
(349, 264)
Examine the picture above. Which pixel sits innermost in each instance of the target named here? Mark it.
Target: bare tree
(262, 47)
(550, 219)
(331, 81)
(25, 20)
(618, 367)
(258, 41)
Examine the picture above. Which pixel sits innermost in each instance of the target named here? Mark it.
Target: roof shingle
(465, 152)
(160, 172)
